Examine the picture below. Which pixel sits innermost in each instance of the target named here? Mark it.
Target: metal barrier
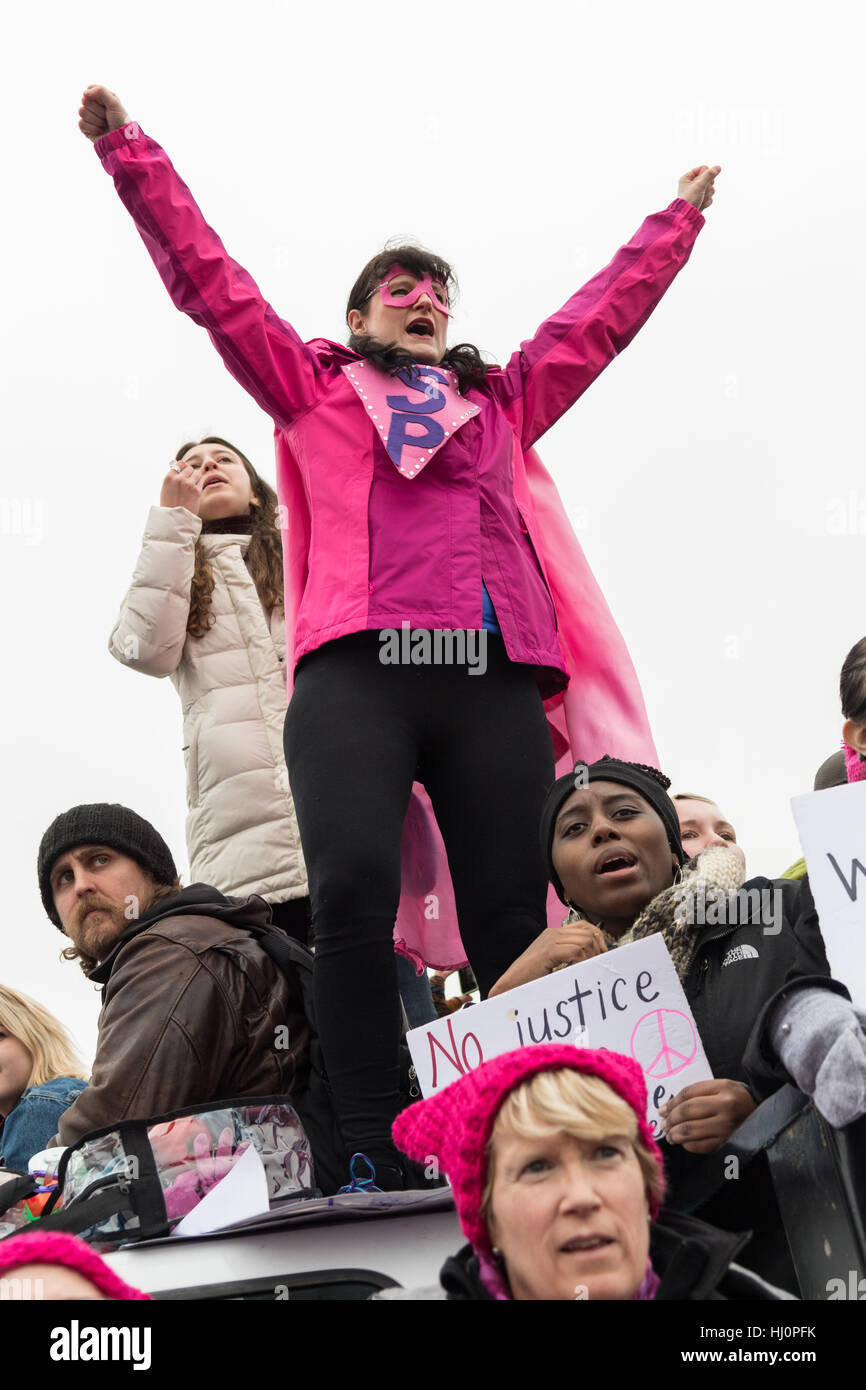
(819, 1175)
(801, 1186)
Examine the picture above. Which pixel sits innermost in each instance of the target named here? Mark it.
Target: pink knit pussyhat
(854, 766)
(57, 1248)
(456, 1123)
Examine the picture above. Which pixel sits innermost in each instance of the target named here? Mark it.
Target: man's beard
(96, 936)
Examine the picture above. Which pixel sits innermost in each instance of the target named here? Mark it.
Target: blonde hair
(44, 1036)
(566, 1101)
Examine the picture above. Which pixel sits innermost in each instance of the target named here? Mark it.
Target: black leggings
(358, 733)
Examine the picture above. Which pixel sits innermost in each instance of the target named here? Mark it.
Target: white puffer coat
(242, 834)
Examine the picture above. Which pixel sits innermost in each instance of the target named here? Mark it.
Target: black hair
(852, 683)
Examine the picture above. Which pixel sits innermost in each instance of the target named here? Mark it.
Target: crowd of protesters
(543, 812)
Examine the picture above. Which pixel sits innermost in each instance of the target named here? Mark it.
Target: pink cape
(602, 711)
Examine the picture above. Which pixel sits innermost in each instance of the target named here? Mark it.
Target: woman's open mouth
(616, 862)
(421, 328)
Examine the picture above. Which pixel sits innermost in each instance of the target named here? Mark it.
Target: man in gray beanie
(193, 1007)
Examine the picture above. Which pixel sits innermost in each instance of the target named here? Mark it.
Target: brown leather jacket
(193, 1011)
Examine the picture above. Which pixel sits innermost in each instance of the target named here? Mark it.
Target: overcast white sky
(714, 472)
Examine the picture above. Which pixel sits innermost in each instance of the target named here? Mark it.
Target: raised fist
(100, 111)
(698, 186)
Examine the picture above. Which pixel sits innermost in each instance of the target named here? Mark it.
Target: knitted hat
(455, 1124)
(102, 823)
(57, 1248)
(648, 782)
(855, 767)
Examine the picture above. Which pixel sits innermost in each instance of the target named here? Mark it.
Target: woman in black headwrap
(611, 839)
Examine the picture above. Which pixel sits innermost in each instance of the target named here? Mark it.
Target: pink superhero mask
(401, 301)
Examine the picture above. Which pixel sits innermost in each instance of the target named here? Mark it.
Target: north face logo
(740, 953)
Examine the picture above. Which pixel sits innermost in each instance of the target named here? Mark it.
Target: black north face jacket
(741, 969)
(739, 973)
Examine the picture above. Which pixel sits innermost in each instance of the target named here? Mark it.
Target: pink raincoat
(502, 514)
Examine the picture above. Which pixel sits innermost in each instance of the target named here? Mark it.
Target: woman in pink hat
(54, 1266)
(558, 1181)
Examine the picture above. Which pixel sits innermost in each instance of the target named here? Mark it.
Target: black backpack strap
(146, 1189)
(15, 1189)
(81, 1215)
(294, 960)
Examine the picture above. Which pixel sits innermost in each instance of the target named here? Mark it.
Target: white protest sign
(628, 1000)
(832, 829)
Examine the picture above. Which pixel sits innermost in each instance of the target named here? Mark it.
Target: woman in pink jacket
(414, 503)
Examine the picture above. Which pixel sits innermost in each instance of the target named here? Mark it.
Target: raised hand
(181, 487)
(554, 949)
(100, 111)
(697, 186)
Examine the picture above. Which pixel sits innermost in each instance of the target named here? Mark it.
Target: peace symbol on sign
(663, 1042)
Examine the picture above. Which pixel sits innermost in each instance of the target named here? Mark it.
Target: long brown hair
(265, 555)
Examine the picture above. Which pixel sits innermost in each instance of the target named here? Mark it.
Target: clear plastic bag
(191, 1154)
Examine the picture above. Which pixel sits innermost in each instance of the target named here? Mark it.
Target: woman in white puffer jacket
(205, 607)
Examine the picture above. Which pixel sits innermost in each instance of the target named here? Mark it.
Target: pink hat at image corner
(855, 767)
(456, 1122)
(57, 1248)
